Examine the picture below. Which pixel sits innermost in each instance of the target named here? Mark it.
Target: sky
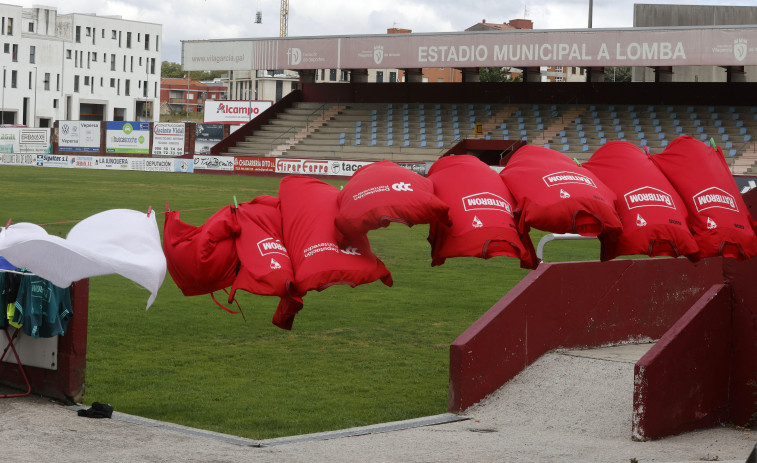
(233, 19)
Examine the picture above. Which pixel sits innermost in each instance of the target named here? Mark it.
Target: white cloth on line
(120, 241)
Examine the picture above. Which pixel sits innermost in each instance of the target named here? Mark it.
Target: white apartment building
(77, 67)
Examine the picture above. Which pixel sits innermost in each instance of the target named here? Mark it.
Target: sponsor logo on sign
(271, 246)
(565, 177)
(739, 49)
(714, 197)
(647, 196)
(294, 56)
(402, 186)
(488, 201)
(378, 54)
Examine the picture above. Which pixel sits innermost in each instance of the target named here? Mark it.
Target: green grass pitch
(356, 356)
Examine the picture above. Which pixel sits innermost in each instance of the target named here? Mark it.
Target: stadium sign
(680, 46)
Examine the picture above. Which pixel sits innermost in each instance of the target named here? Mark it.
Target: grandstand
(423, 132)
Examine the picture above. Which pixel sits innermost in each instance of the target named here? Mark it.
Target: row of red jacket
(679, 202)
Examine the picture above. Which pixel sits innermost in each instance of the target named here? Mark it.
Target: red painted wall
(682, 382)
(67, 382)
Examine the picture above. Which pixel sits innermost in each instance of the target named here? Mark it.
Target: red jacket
(653, 214)
(718, 216)
(481, 210)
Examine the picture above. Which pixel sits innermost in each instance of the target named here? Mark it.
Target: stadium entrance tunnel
(701, 372)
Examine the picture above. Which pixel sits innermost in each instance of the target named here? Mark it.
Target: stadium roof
(654, 47)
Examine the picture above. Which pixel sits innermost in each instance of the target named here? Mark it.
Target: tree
(497, 74)
(619, 74)
(169, 69)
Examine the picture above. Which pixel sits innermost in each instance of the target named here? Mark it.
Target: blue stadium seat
(585, 148)
(422, 144)
(389, 142)
(732, 152)
(663, 144)
(440, 144)
(566, 148)
(747, 138)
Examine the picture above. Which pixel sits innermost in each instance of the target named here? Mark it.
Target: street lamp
(2, 111)
(34, 115)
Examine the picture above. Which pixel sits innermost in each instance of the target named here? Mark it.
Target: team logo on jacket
(487, 201)
(714, 197)
(271, 246)
(477, 223)
(648, 196)
(640, 222)
(564, 177)
(275, 265)
(711, 225)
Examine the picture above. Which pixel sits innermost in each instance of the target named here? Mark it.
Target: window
(68, 54)
(152, 66)
(57, 82)
(7, 48)
(2, 27)
(392, 77)
(103, 33)
(14, 77)
(119, 39)
(76, 84)
(332, 75)
(78, 34)
(345, 76)
(86, 80)
(32, 52)
(124, 63)
(55, 103)
(139, 36)
(88, 32)
(15, 53)
(76, 59)
(30, 80)
(89, 59)
(128, 40)
(112, 82)
(157, 43)
(47, 81)
(31, 27)
(127, 84)
(113, 34)
(379, 76)
(94, 57)
(10, 26)
(147, 41)
(112, 62)
(131, 63)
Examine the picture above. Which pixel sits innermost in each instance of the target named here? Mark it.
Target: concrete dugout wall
(574, 304)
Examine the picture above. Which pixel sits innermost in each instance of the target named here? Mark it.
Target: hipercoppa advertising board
(206, 136)
(214, 162)
(168, 139)
(318, 167)
(234, 111)
(254, 164)
(79, 136)
(127, 137)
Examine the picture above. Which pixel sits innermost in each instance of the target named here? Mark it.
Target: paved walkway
(571, 406)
